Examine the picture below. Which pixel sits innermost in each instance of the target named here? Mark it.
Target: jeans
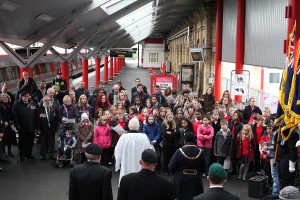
(276, 183)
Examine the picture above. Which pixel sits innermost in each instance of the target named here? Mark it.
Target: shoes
(10, 154)
(64, 157)
(43, 157)
(244, 179)
(22, 158)
(239, 178)
(30, 157)
(60, 158)
(271, 196)
(52, 157)
(5, 155)
(2, 170)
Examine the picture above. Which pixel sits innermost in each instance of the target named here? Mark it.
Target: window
(274, 77)
(153, 57)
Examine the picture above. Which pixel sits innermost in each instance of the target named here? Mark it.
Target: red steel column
(218, 58)
(111, 68)
(85, 73)
(97, 66)
(105, 69)
(23, 70)
(119, 65)
(115, 66)
(240, 38)
(65, 72)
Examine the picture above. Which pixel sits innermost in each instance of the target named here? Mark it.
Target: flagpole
(277, 146)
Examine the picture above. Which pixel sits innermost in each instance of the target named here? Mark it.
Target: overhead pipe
(180, 33)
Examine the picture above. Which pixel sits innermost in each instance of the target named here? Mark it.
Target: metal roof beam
(57, 54)
(81, 45)
(13, 55)
(34, 58)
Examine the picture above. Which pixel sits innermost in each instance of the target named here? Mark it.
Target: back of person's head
(217, 174)
(190, 138)
(134, 124)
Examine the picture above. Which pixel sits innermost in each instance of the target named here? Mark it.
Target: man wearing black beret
(146, 184)
(91, 180)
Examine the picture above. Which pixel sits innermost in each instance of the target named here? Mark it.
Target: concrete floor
(41, 180)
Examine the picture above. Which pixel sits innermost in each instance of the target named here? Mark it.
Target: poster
(164, 82)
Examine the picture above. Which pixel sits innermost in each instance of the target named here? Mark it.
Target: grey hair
(134, 124)
(91, 156)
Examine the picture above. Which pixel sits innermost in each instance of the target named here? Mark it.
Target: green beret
(217, 171)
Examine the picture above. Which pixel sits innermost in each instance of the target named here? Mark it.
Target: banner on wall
(164, 82)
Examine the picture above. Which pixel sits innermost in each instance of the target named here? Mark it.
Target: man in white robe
(130, 148)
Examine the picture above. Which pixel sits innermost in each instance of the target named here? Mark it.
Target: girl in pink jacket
(205, 134)
(103, 138)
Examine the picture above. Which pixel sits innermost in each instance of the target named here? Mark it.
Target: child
(190, 112)
(258, 129)
(186, 126)
(170, 137)
(67, 143)
(223, 143)
(153, 132)
(205, 134)
(245, 148)
(103, 138)
(84, 133)
(197, 121)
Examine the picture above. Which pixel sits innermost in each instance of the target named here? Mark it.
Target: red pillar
(97, 75)
(85, 73)
(115, 66)
(119, 65)
(240, 38)
(218, 58)
(26, 69)
(65, 72)
(105, 70)
(111, 68)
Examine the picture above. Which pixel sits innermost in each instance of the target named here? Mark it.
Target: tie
(48, 116)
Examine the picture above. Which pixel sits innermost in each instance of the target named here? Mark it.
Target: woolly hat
(93, 149)
(84, 116)
(217, 171)
(149, 156)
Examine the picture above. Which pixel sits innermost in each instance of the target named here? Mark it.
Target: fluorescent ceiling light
(81, 29)
(9, 6)
(116, 5)
(45, 18)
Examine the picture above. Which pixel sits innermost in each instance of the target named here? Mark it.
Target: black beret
(93, 149)
(149, 156)
(24, 93)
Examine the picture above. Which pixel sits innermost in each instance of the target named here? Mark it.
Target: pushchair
(66, 150)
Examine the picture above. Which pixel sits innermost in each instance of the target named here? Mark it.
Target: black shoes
(22, 158)
(2, 170)
(43, 157)
(271, 196)
(30, 157)
(10, 154)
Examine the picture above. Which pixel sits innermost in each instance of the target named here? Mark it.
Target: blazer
(145, 185)
(216, 194)
(90, 181)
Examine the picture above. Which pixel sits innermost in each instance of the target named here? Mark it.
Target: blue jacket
(153, 131)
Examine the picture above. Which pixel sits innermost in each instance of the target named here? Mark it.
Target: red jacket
(238, 146)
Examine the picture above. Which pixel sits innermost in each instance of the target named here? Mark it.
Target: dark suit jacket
(145, 185)
(42, 122)
(216, 194)
(90, 181)
(134, 89)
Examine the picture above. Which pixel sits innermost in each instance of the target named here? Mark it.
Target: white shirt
(128, 152)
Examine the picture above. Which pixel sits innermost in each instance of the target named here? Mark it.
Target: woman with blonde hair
(245, 148)
(123, 99)
(170, 140)
(84, 107)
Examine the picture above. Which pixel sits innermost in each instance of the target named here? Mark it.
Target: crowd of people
(182, 128)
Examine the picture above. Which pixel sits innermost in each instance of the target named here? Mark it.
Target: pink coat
(204, 136)
(102, 136)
